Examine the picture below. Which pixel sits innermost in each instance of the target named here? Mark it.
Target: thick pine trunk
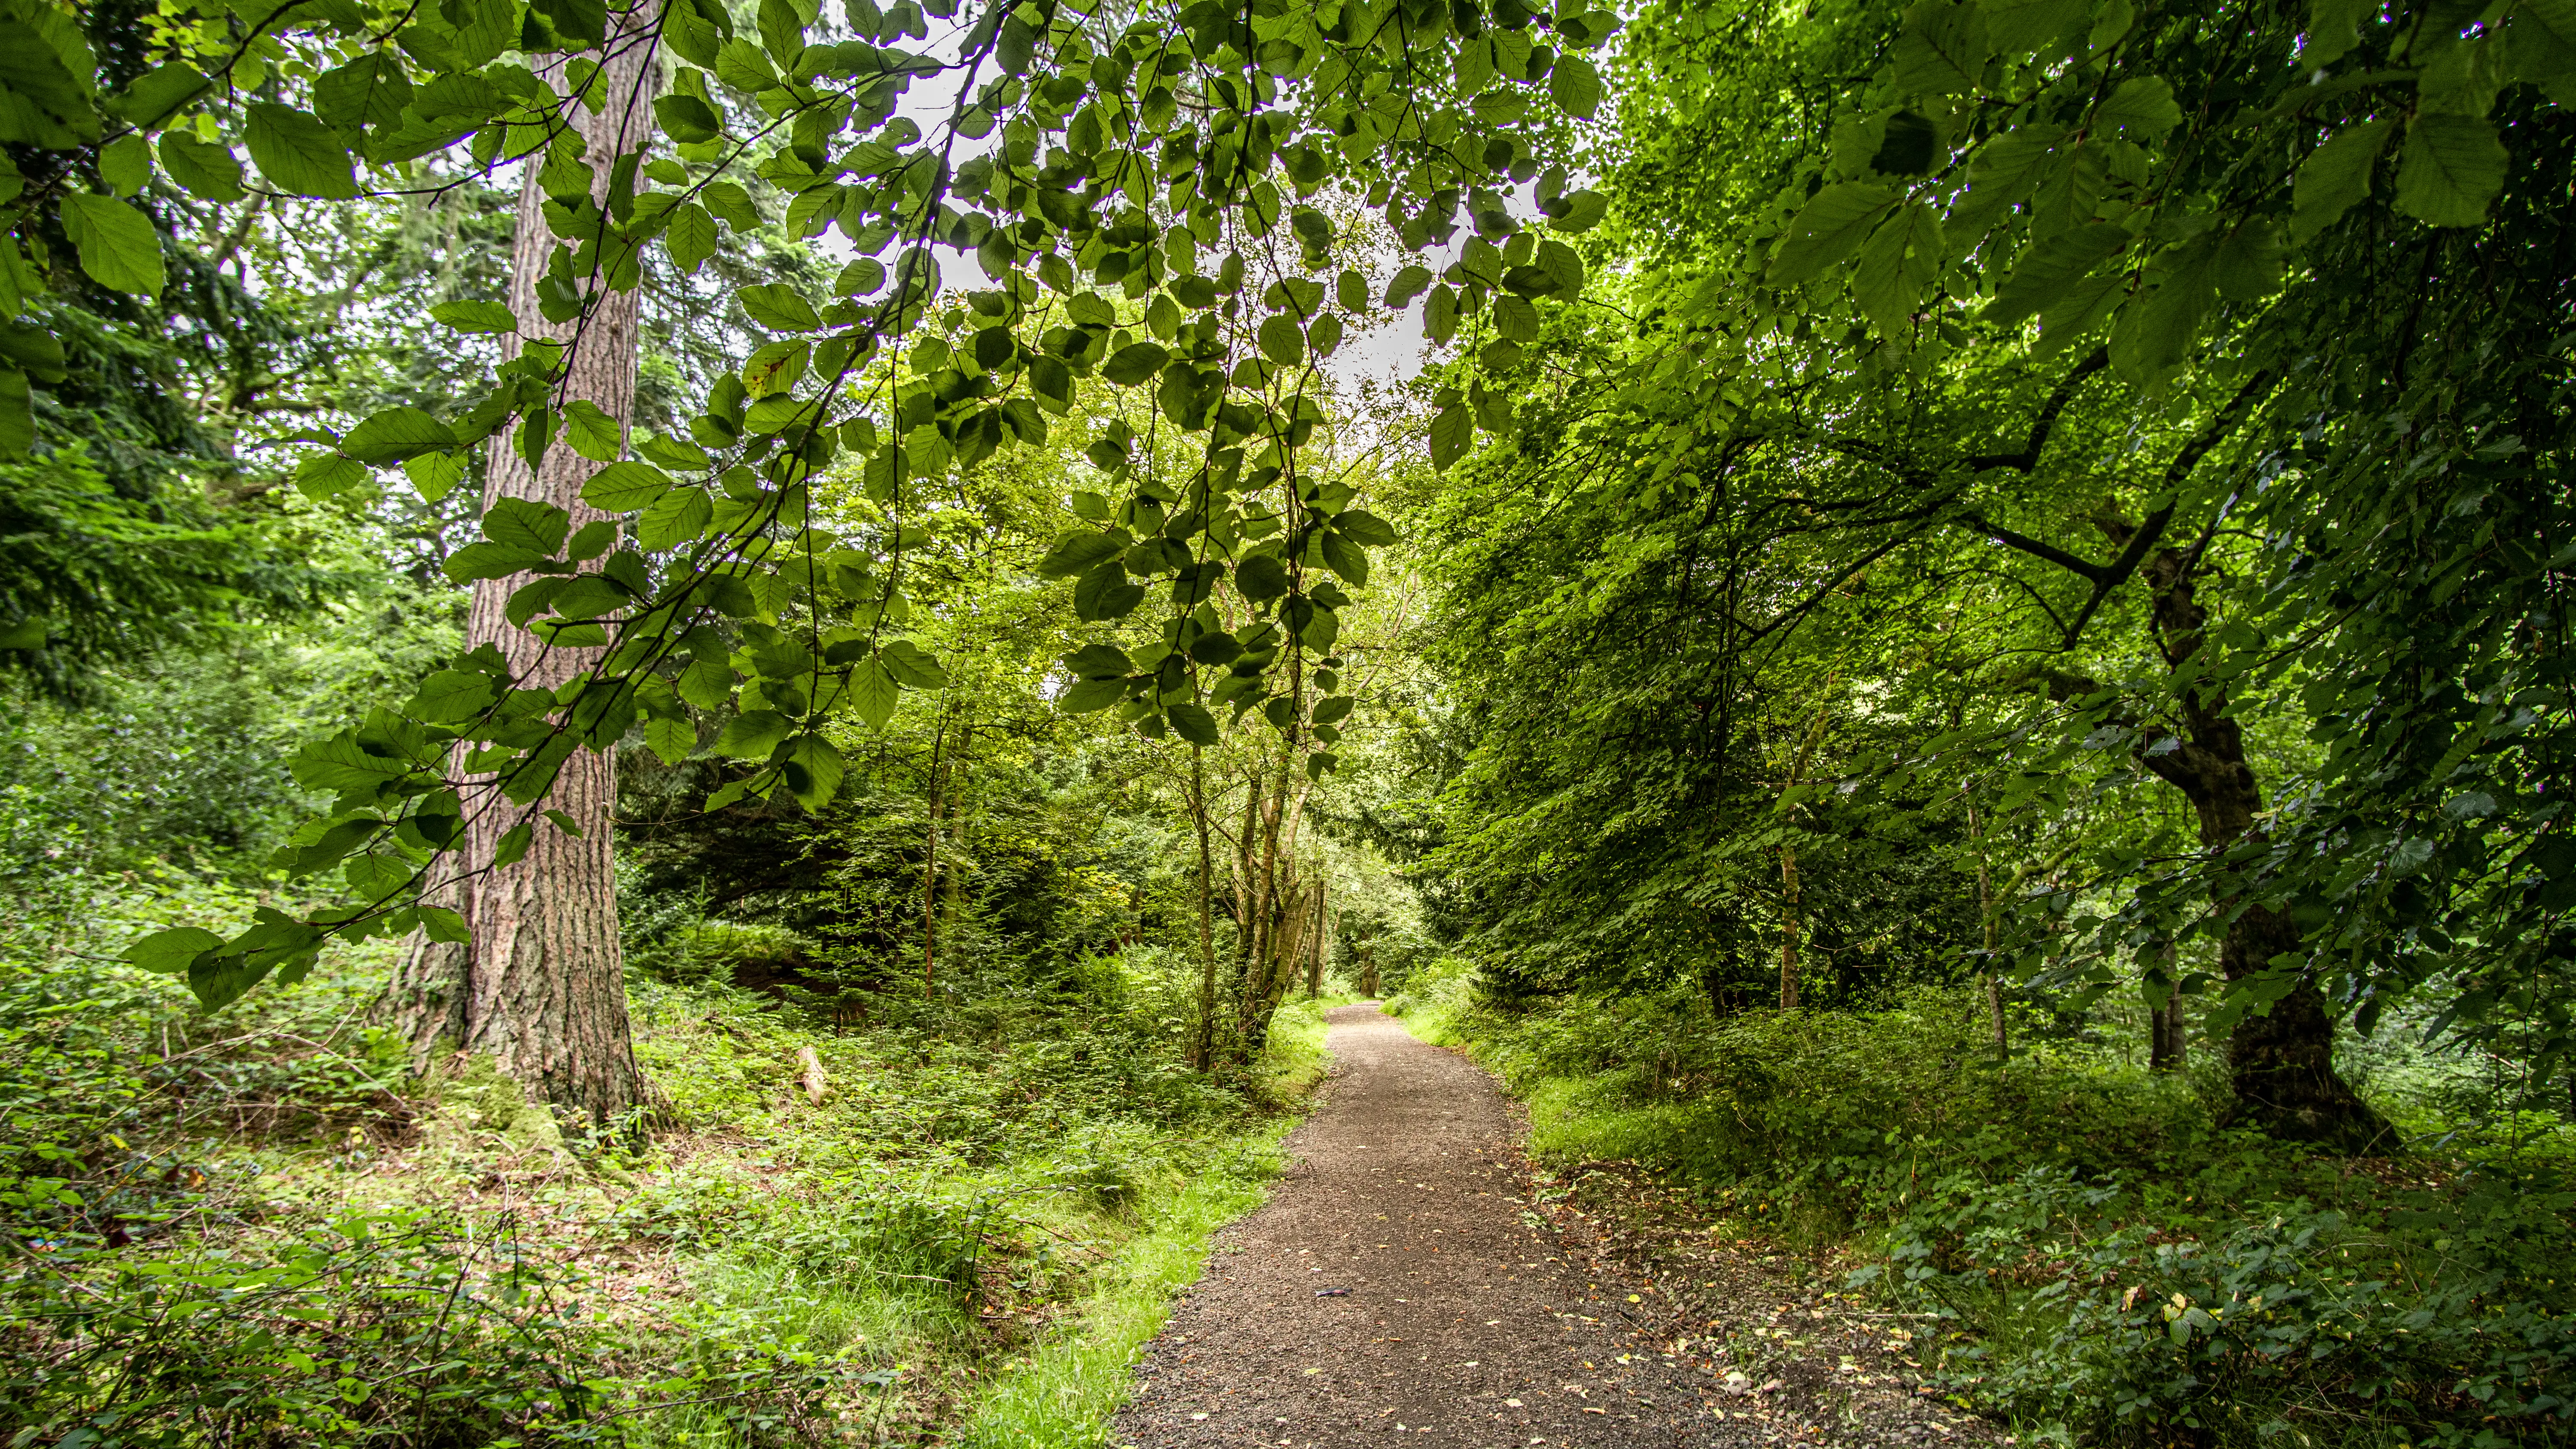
(2280, 1058)
(540, 987)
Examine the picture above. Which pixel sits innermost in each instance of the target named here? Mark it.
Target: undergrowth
(258, 1227)
(2111, 1265)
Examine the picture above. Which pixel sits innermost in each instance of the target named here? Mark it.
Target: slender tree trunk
(930, 870)
(1203, 1044)
(1789, 928)
(1986, 976)
(2280, 1057)
(1315, 948)
(540, 985)
(2164, 1016)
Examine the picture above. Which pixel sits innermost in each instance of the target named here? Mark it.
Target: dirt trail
(1400, 1281)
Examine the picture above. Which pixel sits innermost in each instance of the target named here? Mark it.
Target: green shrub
(2096, 1241)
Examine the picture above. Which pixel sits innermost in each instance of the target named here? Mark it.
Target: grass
(1065, 1393)
(971, 1236)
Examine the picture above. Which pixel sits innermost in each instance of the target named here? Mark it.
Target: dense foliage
(1957, 636)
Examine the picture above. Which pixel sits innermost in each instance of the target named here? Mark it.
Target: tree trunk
(2280, 1058)
(2164, 1010)
(1203, 1043)
(1986, 911)
(930, 871)
(540, 986)
(1789, 928)
(1315, 948)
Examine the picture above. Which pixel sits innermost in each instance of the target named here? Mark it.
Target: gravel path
(1400, 1282)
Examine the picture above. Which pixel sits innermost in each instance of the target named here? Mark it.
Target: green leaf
(1364, 527)
(2249, 262)
(527, 524)
(592, 432)
(328, 475)
(678, 517)
(2336, 176)
(2048, 270)
(1826, 230)
(2140, 110)
(1193, 723)
(1575, 86)
(489, 561)
(685, 118)
(1345, 558)
(689, 235)
(298, 154)
(873, 692)
(2334, 28)
(671, 740)
(44, 102)
(1261, 577)
(1134, 363)
(754, 735)
(2447, 175)
(912, 666)
(813, 770)
(1579, 211)
(395, 434)
(1903, 257)
(368, 91)
(125, 164)
(625, 487)
(2002, 172)
(475, 315)
(435, 475)
(1407, 284)
(118, 246)
(2154, 333)
(1092, 694)
(779, 307)
(450, 696)
(1440, 314)
(1452, 429)
(1941, 51)
(2020, 27)
(1081, 552)
(1282, 341)
(169, 952)
(202, 169)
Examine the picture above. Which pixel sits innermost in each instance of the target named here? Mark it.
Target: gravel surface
(1402, 1280)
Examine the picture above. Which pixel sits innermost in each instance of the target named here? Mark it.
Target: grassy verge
(2106, 1263)
(971, 1233)
(1064, 1394)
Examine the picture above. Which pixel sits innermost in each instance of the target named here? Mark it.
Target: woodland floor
(1405, 1279)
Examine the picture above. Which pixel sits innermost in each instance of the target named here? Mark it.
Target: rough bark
(540, 985)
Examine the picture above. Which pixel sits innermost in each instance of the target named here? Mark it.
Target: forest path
(1399, 1281)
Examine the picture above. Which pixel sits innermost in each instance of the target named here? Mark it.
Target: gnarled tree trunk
(540, 985)
(2280, 1058)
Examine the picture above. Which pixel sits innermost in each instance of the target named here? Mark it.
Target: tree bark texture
(540, 985)
(2280, 1059)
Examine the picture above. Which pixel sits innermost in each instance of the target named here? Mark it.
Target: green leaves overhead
(1827, 229)
(297, 154)
(2450, 170)
(118, 247)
